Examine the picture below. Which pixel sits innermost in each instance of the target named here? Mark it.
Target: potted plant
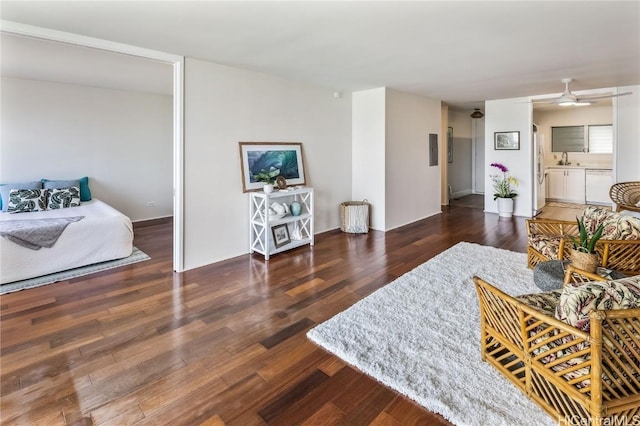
(503, 190)
(583, 255)
(268, 177)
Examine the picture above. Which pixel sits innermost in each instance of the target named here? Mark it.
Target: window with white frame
(601, 139)
(595, 139)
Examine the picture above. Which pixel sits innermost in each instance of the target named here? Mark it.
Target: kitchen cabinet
(566, 184)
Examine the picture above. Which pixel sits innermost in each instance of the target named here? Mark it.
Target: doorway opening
(177, 68)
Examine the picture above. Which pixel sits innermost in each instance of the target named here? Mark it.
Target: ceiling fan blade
(544, 101)
(610, 95)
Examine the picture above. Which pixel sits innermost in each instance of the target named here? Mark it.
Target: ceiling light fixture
(571, 103)
(477, 113)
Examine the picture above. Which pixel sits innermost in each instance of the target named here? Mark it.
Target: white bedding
(104, 234)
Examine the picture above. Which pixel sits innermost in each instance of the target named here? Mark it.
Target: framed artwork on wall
(276, 158)
(506, 140)
(433, 149)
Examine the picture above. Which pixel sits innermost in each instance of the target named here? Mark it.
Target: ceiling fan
(569, 99)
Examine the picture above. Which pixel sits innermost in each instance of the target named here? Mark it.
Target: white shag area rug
(420, 335)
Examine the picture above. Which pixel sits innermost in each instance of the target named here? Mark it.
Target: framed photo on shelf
(280, 235)
(275, 158)
(506, 140)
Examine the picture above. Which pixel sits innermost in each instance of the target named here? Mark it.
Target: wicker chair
(626, 196)
(548, 240)
(519, 341)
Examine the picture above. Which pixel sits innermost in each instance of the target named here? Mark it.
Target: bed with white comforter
(102, 234)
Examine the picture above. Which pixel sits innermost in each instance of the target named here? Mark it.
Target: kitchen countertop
(582, 166)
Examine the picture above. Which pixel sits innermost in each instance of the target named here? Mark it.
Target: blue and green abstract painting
(285, 161)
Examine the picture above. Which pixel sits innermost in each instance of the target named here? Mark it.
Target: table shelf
(291, 231)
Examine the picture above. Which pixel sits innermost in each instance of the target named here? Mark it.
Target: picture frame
(280, 235)
(507, 140)
(286, 157)
(433, 149)
(449, 144)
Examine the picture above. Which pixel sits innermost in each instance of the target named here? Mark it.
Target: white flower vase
(505, 207)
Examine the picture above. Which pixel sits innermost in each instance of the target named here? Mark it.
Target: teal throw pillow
(83, 183)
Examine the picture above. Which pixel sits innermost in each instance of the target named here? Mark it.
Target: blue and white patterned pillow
(61, 198)
(27, 200)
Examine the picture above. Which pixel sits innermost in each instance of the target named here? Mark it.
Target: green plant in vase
(268, 177)
(584, 254)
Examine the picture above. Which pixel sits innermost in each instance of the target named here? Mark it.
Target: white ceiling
(36, 59)
(460, 52)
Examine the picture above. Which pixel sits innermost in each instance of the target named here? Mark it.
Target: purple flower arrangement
(502, 185)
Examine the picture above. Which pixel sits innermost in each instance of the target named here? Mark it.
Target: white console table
(260, 224)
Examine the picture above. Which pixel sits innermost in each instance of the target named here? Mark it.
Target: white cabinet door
(556, 182)
(574, 186)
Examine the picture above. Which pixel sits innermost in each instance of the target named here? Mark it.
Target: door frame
(177, 63)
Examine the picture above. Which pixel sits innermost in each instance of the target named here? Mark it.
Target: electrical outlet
(151, 203)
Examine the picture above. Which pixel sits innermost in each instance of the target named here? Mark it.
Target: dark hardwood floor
(221, 344)
(473, 201)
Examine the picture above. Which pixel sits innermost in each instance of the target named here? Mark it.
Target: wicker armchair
(593, 377)
(548, 240)
(626, 196)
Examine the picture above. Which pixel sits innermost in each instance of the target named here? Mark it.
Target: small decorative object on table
(296, 208)
(278, 211)
(281, 182)
(549, 275)
(503, 191)
(268, 177)
(584, 254)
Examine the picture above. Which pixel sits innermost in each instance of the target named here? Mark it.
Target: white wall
(122, 140)
(479, 165)
(368, 161)
(459, 170)
(224, 106)
(627, 135)
(570, 116)
(507, 115)
(412, 186)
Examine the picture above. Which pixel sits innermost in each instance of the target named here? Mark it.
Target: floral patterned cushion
(547, 245)
(577, 301)
(549, 303)
(616, 226)
(544, 302)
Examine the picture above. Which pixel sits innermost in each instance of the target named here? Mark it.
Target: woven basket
(585, 261)
(354, 217)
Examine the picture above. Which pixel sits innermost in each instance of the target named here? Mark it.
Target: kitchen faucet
(564, 159)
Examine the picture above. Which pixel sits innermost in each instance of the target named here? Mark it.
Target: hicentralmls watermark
(608, 421)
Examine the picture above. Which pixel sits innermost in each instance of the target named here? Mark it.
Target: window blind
(567, 139)
(601, 139)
